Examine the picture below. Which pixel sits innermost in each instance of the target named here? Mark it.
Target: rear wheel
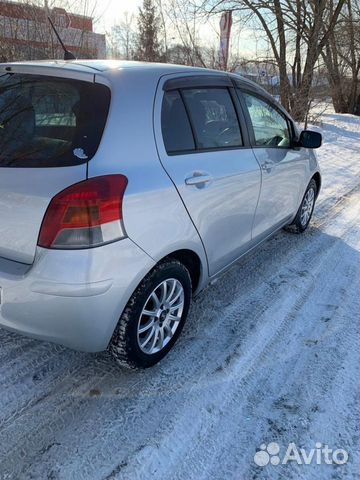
(305, 211)
(154, 317)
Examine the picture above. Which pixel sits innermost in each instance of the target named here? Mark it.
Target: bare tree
(123, 38)
(297, 31)
(160, 4)
(182, 19)
(342, 58)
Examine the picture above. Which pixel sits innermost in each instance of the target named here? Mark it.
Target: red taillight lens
(86, 214)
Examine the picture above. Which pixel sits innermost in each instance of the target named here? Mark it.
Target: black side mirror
(310, 139)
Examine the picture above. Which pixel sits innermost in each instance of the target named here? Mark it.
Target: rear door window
(50, 122)
(213, 116)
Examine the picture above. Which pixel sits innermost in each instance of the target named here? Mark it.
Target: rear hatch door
(50, 127)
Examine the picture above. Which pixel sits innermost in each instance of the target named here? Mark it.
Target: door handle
(199, 180)
(267, 166)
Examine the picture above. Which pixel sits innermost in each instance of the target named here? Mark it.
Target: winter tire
(304, 214)
(154, 316)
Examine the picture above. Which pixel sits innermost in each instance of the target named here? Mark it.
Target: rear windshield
(50, 122)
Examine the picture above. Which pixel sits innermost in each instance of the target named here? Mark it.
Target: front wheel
(154, 317)
(304, 214)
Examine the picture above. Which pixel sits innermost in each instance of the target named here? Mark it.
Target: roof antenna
(67, 54)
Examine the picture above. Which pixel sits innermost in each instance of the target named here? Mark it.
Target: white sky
(111, 12)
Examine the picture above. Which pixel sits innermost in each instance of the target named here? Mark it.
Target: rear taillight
(87, 214)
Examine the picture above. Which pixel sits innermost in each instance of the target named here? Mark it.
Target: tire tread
(119, 346)
(295, 226)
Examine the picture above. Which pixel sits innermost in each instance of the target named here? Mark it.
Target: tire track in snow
(278, 378)
(226, 394)
(194, 346)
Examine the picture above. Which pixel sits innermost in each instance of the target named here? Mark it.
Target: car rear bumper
(71, 297)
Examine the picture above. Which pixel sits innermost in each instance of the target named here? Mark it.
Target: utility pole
(225, 31)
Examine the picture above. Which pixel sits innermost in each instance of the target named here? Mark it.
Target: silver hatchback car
(126, 187)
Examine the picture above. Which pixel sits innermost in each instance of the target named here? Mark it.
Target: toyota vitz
(125, 188)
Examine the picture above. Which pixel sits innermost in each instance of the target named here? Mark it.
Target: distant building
(25, 33)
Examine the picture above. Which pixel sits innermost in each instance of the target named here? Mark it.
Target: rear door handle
(199, 180)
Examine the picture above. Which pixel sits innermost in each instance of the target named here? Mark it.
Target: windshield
(50, 122)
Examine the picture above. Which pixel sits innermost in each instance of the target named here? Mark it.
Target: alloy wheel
(160, 316)
(307, 207)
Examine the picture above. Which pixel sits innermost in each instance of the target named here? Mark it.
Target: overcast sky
(111, 11)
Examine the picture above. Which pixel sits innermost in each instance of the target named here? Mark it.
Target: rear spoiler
(59, 68)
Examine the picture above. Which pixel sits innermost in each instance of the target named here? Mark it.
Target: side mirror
(310, 139)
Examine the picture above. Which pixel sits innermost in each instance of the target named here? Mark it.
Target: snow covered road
(270, 353)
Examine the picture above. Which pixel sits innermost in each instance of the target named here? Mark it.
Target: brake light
(87, 214)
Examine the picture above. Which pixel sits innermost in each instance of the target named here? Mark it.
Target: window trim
(240, 91)
(189, 119)
(176, 152)
(197, 81)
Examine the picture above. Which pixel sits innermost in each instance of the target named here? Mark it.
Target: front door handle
(198, 179)
(267, 166)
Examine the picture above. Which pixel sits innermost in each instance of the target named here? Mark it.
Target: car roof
(106, 67)
(103, 65)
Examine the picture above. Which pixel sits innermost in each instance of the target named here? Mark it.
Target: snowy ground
(270, 353)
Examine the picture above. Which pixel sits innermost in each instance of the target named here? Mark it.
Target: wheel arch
(191, 261)
(317, 178)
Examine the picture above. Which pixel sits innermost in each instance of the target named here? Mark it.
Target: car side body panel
(155, 218)
(286, 172)
(223, 209)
